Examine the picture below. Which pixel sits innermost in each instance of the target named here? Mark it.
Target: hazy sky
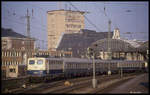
(127, 16)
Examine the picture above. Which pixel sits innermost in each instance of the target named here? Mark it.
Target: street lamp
(94, 81)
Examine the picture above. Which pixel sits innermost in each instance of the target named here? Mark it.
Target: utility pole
(109, 51)
(28, 30)
(28, 24)
(109, 30)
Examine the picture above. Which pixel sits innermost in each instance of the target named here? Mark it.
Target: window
(31, 62)
(2, 53)
(39, 62)
(10, 53)
(16, 53)
(6, 53)
(5, 63)
(19, 54)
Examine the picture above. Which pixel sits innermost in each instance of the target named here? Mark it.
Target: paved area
(139, 84)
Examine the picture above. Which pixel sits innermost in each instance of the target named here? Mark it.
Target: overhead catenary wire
(11, 14)
(99, 10)
(86, 17)
(17, 22)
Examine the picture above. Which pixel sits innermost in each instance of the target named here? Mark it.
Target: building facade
(60, 22)
(16, 48)
(16, 41)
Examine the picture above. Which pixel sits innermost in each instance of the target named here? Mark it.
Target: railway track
(74, 85)
(43, 86)
(59, 87)
(81, 84)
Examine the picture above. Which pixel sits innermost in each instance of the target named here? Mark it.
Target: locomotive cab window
(39, 62)
(31, 62)
(12, 70)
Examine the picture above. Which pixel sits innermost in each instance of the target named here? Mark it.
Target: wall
(59, 22)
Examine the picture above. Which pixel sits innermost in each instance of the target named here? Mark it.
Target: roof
(115, 45)
(11, 33)
(132, 42)
(144, 46)
(86, 60)
(79, 42)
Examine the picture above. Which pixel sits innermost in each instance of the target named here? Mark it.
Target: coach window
(72, 66)
(39, 62)
(76, 66)
(69, 66)
(128, 65)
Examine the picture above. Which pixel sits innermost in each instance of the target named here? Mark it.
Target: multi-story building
(16, 41)
(16, 48)
(60, 22)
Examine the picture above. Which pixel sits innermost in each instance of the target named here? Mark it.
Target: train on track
(73, 67)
